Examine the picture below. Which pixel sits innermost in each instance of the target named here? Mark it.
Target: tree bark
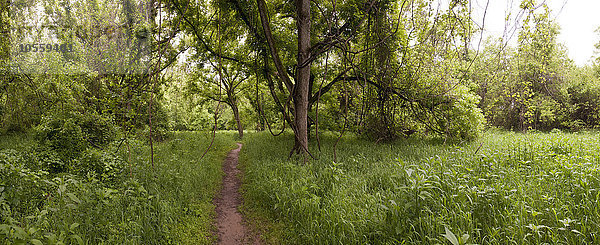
(262, 10)
(236, 115)
(301, 88)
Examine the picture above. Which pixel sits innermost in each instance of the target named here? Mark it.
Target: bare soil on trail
(231, 229)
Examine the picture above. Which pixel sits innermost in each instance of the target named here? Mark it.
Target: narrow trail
(231, 229)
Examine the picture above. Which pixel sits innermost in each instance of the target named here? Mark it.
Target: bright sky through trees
(577, 18)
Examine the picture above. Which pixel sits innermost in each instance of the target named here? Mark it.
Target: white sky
(577, 19)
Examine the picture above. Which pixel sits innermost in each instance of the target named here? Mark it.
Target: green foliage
(401, 67)
(64, 136)
(584, 95)
(103, 165)
(391, 71)
(97, 129)
(418, 73)
(535, 87)
(47, 159)
(106, 82)
(103, 199)
(22, 189)
(188, 108)
(463, 119)
(504, 188)
(160, 125)
(69, 134)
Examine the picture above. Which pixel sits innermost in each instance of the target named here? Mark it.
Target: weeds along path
(231, 229)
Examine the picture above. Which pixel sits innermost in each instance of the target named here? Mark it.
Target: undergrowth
(505, 188)
(97, 197)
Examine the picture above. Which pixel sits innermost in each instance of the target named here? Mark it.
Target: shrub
(62, 135)
(100, 163)
(463, 119)
(586, 100)
(22, 190)
(46, 159)
(70, 134)
(97, 130)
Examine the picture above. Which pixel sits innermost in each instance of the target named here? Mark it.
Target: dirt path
(231, 229)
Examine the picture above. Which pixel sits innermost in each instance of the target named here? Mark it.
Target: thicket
(535, 86)
(77, 130)
(59, 189)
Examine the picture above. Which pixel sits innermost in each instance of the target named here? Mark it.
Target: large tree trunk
(301, 88)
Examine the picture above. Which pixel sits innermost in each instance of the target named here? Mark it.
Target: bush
(64, 145)
(586, 101)
(97, 130)
(22, 190)
(46, 159)
(70, 134)
(463, 120)
(100, 163)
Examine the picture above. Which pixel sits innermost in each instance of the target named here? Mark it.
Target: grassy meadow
(505, 188)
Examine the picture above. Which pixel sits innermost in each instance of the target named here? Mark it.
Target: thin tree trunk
(264, 20)
(236, 115)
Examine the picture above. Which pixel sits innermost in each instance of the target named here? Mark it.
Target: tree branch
(328, 87)
(201, 40)
(281, 73)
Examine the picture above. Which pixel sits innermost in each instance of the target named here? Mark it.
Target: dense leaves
(97, 197)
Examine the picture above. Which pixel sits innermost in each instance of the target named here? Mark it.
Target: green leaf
(73, 226)
(62, 189)
(451, 237)
(36, 242)
(384, 207)
(4, 229)
(51, 238)
(20, 233)
(78, 239)
(73, 197)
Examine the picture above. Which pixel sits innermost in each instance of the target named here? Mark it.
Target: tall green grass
(171, 203)
(516, 189)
